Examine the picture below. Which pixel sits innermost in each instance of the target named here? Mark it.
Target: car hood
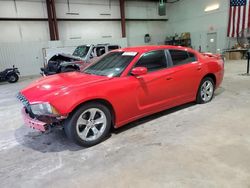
(70, 56)
(60, 84)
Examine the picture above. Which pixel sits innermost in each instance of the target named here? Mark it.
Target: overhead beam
(81, 19)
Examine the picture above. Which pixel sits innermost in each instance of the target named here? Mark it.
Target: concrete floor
(188, 146)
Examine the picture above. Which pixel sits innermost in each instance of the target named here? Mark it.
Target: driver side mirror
(138, 71)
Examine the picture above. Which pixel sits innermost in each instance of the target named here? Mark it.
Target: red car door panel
(154, 89)
(147, 94)
(186, 78)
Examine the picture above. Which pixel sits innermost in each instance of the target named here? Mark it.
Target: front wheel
(89, 124)
(206, 90)
(12, 78)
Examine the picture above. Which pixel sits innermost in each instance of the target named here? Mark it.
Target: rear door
(186, 73)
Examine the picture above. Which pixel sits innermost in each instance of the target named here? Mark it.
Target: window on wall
(180, 57)
(153, 61)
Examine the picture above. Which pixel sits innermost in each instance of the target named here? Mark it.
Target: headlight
(43, 109)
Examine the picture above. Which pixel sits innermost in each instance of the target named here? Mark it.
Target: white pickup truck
(82, 56)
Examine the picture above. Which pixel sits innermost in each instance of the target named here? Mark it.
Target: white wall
(133, 9)
(16, 31)
(29, 56)
(29, 8)
(189, 16)
(25, 31)
(21, 42)
(137, 29)
(21, 31)
(91, 29)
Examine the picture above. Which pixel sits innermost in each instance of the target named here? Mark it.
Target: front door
(154, 88)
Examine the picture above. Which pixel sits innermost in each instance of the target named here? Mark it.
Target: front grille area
(23, 99)
(26, 104)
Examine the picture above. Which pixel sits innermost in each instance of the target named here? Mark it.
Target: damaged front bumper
(42, 123)
(34, 123)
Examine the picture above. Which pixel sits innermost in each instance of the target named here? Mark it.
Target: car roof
(142, 49)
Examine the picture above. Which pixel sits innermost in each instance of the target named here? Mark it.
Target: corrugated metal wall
(28, 56)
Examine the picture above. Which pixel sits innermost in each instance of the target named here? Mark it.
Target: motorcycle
(10, 75)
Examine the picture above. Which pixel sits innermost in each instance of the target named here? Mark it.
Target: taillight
(222, 62)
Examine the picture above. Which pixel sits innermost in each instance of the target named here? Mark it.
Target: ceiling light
(212, 7)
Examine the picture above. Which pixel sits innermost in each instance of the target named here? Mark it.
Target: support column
(53, 28)
(123, 21)
(55, 19)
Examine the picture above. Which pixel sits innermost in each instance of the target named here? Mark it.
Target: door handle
(199, 66)
(169, 78)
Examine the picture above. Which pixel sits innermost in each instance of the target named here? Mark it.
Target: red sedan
(124, 85)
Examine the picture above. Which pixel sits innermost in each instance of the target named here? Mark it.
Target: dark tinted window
(112, 47)
(192, 57)
(112, 64)
(100, 51)
(153, 61)
(180, 57)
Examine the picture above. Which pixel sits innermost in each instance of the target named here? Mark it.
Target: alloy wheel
(91, 124)
(207, 90)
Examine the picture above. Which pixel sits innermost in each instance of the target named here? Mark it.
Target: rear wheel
(89, 124)
(12, 78)
(206, 90)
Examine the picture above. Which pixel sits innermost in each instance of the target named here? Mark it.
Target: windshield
(81, 51)
(111, 65)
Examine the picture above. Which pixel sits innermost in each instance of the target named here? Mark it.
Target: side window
(153, 61)
(112, 47)
(100, 51)
(192, 57)
(180, 57)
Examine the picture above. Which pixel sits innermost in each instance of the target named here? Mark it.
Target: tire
(12, 78)
(86, 129)
(206, 91)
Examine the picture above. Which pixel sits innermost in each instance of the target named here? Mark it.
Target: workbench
(235, 54)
